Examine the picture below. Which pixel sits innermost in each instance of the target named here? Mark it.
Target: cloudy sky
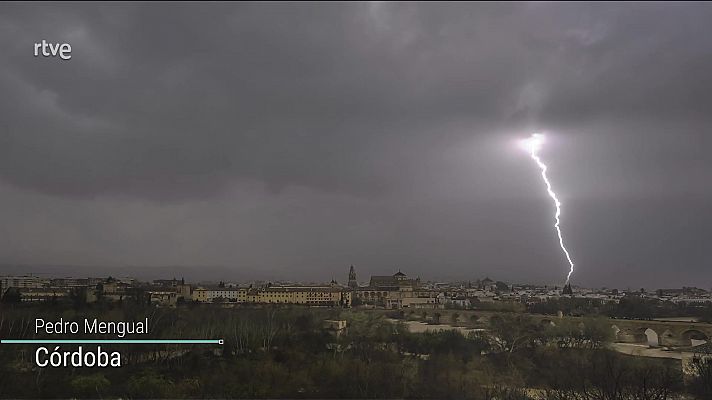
(295, 140)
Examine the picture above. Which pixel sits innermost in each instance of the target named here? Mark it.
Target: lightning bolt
(533, 144)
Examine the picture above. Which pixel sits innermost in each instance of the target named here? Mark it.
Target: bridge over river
(654, 333)
(661, 333)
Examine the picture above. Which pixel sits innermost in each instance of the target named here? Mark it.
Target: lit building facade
(305, 295)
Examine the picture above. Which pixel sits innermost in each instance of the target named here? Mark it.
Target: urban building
(25, 281)
(332, 295)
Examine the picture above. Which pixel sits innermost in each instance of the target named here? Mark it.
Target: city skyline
(214, 275)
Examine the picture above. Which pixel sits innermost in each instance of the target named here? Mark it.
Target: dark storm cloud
(302, 137)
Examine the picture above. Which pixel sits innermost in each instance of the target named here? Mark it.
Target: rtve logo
(61, 50)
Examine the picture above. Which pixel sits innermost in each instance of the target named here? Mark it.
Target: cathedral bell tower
(352, 278)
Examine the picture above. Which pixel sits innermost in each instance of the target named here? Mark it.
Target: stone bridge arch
(638, 335)
(694, 337)
(632, 335)
(668, 338)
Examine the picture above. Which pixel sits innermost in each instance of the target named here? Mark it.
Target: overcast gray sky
(296, 140)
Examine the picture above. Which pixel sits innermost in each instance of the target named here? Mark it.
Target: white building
(21, 282)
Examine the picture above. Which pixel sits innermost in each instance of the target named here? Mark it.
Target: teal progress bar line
(112, 341)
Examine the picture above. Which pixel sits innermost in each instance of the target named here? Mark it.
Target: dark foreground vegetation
(287, 353)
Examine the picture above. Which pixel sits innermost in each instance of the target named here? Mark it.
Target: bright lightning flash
(532, 145)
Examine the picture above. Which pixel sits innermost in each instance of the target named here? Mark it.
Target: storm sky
(292, 141)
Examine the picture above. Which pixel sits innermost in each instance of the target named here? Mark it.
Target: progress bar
(112, 341)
